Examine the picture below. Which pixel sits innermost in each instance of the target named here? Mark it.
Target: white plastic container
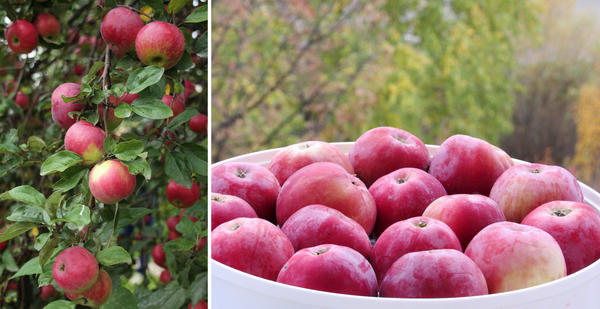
(232, 289)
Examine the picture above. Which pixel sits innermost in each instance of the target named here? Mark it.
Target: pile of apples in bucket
(387, 220)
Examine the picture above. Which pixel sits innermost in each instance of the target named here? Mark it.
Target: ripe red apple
(11, 285)
(160, 43)
(96, 295)
(465, 214)
(189, 88)
(576, 228)
(119, 29)
(414, 234)
(158, 255)
(61, 109)
(78, 69)
(176, 103)
(165, 277)
(383, 150)
(252, 245)
(47, 292)
(111, 182)
(86, 140)
(22, 100)
(75, 269)
(524, 187)
(433, 274)
(201, 243)
(199, 305)
(199, 123)
(317, 224)
(47, 25)
(225, 207)
(464, 164)
(330, 268)
(181, 196)
(292, 158)
(403, 194)
(327, 184)
(124, 98)
(250, 182)
(22, 37)
(173, 235)
(513, 256)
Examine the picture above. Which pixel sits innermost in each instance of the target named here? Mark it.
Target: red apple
(124, 98)
(22, 37)
(464, 164)
(433, 274)
(513, 256)
(158, 255)
(411, 235)
(47, 292)
(47, 25)
(22, 100)
(75, 269)
(576, 228)
(189, 88)
(78, 69)
(250, 182)
(252, 245)
(119, 29)
(181, 196)
(292, 158)
(86, 140)
(96, 295)
(160, 43)
(201, 243)
(403, 194)
(330, 268)
(225, 207)
(173, 235)
(199, 305)
(465, 214)
(199, 123)
(524, 187)
(176, 103)
(111, 182)
(327, 184)
(165, 276)
(61, 109)
(383, 150)
(112, 121)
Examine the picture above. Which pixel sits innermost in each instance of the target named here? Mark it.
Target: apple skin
(327, 184)
(22, 37)
(250, 182)
(86, 140)
(524, 187)
(61, 109)
(181, 196)
(3, 243)
(47, 25)
(78, 69)
(176, 103)
(465, 164)
(188, 88)
(165, 277)
(403, 194)
(437, 273)
(158, 255)
(199, 305)
(119, 29)
(160, 43)
(22, 100)
(199, 123)
(465, 214)
(317, 224)
(96, 295)
(330, 268)
(576, 228)
(75, 269)
(173, 235)
(225, 207)
(294, 157)
(410, 235)
(47, 292)
(513, 256)
(111, 182)
(252, 245)
(383, 150)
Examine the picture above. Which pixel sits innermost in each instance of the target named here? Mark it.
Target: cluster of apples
(390, 220)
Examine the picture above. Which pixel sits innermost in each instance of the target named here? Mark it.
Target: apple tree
(103, 150)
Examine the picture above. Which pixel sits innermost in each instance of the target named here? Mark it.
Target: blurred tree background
(520, 74)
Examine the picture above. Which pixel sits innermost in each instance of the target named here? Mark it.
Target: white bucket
(232, 289)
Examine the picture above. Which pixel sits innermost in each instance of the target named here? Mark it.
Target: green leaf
(36, 144)
(141, 78)
(59, 162)
(182, 118)
(129, 150)
(198, 289)
(176, 5)
(16, 229)
(198, 15)
(121, 298)
(151, 108)
(139, 166)
(45, 278)
(201, 45)
(47, 250)
(129, 215)
(177, 171)
(113, 256)
(9, 261)
(10, 164)
(78, 215)
(172, 296)
(25, 194)
(40, 241)
(27, 213)
(32, 267)
(92, 74)
(109, 144)
(123, 110)
(70, 178)
(52, 203)
(186, 227)
(60, 304)
(185, 62)
(179, 244)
